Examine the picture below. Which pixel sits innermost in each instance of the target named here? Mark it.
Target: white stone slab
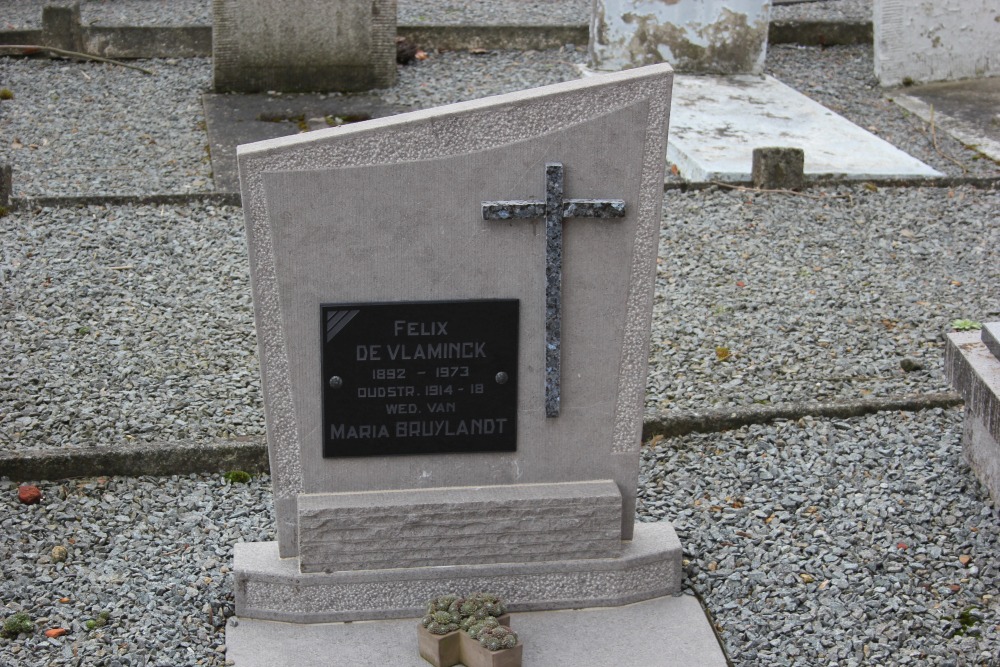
(936, 40)
(665, 632)
(716, 122)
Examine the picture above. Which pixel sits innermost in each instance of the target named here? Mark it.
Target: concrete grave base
(967, 110)
(716, 122)
(272, 588)
(973, 368)
(663, 632)
(242, 119)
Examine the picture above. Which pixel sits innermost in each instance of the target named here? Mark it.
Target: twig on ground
(937, 149)
(777, 192)
(28, 49)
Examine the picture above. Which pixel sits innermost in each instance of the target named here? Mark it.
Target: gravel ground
(26, 14)
(842, 79)
(836, 542)
(22, 14)
(816, 542)
(90, 128)
(843, 11)
(110, 130)
(771, 298)
(153, 553)
(126, 323)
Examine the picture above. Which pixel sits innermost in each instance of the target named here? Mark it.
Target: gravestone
(452, 310)
(303, 45)
(972, 362)
(944, 40)
(697, 36)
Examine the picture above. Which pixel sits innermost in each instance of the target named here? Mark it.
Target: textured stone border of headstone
(972, 363)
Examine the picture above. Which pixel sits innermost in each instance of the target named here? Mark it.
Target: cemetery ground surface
(810, 540)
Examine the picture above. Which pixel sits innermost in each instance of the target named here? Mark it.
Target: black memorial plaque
(419, 377)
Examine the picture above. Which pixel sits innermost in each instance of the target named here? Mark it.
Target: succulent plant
(497, 638)
(440, 622)
(479, 628)
(475, 614)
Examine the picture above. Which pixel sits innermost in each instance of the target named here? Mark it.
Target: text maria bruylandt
(419, 377)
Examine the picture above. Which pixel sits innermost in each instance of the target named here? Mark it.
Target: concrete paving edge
(127, 42)
(712, 421)
(250, 453)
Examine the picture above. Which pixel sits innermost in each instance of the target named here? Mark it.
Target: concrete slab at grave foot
(716, 122)
(665, 632)
(235, 119)
(967, 110)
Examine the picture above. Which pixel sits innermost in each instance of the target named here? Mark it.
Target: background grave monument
(698, 36)
(943, 40)
(303, 45)
(405, 267)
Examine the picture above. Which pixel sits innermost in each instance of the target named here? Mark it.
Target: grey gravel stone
(848, 553)
(166, 590)
(841, 11)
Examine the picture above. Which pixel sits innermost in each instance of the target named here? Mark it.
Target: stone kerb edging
(250, 453)
(135, 42)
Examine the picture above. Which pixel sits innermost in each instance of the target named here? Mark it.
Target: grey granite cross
(554, 209)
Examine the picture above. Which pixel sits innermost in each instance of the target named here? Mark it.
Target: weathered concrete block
(303, 45)
(426, 527)
(778, 168)
(974, 370)
(6, 184)
(61, 27)
(702, 36)
(936, 40)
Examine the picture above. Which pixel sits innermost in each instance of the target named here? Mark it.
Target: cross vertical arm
(555, 209)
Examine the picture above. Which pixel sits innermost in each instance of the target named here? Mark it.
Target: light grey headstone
(697, 36)
(944, 40)
(409, 209)
(299, 46)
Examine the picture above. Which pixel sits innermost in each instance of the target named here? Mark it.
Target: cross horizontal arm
(571, 208)
(594, 208)
(508, 210)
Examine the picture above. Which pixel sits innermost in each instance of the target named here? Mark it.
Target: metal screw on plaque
(336, 382)
(502, 378)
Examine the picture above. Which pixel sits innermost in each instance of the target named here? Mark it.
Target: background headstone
(698, 36)
(936, 40)
(303, 45)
